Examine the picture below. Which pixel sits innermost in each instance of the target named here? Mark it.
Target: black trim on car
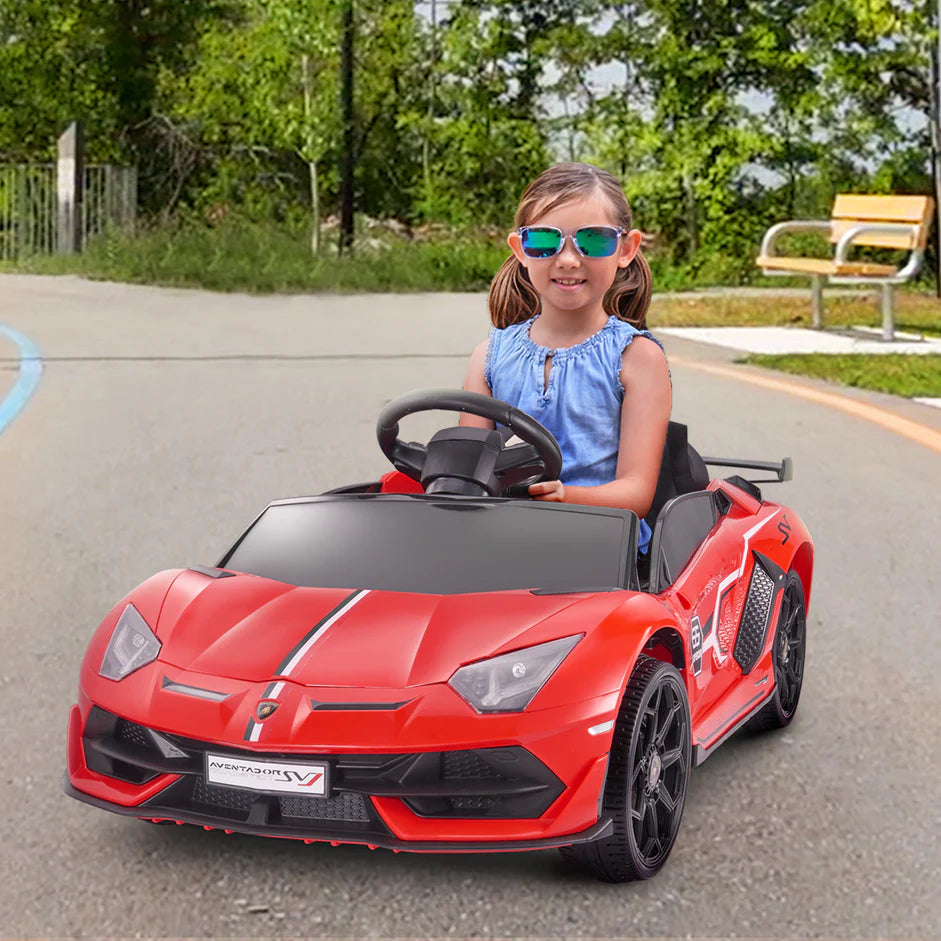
(702, 752)
(604, 827)
(355, 706)
(210, 571)
(496, 783)
(736, 481)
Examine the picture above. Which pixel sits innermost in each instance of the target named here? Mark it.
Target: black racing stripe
(248, 730)
(707, 628)
(269, 689)
(316, 628)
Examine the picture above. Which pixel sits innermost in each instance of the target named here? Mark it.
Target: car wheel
(648, 772)
(790, 642)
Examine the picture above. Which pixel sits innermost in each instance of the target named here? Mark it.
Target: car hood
(255, 629)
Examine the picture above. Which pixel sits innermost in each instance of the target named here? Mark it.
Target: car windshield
(438, 546)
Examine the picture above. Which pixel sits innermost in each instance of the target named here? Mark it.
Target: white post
(816, 300)
(70, 172)
(888, 327)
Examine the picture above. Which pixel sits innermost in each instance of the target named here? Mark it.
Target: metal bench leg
(888, 326)
(816, 300)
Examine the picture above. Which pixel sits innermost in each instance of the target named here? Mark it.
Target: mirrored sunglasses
(592, 241)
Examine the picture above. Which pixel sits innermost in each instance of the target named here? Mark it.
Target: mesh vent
(465, 764)
(474, 803)
(223, 798)
(130, 733)
(346, 806)
(754, 625)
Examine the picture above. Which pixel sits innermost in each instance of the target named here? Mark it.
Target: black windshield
(423, 544)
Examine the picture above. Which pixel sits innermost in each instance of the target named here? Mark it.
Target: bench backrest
(850, 209)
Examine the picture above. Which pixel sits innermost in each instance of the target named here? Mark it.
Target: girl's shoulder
(504, 345)
(624, 333)
(503, 334)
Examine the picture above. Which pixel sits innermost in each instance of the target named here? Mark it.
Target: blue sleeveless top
(581, 405)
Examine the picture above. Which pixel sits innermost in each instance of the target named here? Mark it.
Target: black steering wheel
(465, 460)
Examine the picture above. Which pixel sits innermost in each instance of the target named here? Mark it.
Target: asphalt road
(166, 419)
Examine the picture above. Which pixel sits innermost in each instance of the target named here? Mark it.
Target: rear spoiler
(782, 471)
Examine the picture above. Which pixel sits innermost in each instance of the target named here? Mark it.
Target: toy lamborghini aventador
(429, 662)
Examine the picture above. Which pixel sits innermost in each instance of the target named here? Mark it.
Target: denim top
(581, 405)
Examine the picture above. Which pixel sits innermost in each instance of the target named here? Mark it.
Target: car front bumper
(539, 790)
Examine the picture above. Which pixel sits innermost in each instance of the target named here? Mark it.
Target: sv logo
(305, 780)
(784, 528)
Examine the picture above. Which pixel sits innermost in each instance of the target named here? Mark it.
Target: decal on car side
(711, 641)
(695, 643)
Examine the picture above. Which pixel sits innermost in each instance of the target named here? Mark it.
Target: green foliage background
(724, 116)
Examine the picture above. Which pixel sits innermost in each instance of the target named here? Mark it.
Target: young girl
(569, 343)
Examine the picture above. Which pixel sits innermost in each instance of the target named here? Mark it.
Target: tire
(648, 773)
(788, 652)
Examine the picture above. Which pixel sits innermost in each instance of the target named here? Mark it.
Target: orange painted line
(912, 430)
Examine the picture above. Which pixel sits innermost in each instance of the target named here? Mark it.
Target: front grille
(347, 806)
(132, 734)
(465, 764)
(238, 801)
(223, 798)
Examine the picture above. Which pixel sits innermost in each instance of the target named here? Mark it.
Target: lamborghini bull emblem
(265, 708)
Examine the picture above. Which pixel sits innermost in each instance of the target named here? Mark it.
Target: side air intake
(756, 614)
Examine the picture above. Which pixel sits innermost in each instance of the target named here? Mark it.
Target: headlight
(509, 682)
(132, 645)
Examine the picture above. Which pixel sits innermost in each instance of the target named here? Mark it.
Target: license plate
(304, 778)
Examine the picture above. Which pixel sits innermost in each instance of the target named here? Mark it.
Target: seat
(681, 471)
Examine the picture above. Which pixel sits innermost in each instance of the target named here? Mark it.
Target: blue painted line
(30, 373)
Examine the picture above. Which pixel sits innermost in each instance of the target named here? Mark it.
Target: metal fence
(29, 206)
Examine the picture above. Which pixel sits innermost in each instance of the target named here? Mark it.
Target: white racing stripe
(302, 651)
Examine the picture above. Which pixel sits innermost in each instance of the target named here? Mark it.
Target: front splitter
(153, 811)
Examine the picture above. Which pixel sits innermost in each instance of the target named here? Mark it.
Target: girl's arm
(644, 416)
(475, 382)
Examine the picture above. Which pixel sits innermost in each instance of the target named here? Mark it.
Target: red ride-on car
(454, 668)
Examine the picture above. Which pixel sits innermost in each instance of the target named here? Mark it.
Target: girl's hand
(551, 490)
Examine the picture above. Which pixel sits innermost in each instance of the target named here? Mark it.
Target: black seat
(681, 471)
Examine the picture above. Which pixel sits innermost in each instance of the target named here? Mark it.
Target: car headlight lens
(132, 645)
(508, 682)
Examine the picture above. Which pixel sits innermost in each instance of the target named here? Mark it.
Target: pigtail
(629, 297)
(512, 299)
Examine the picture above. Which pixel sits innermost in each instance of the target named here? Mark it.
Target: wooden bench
(899, 222)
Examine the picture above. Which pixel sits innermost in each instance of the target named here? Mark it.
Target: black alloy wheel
(648, 773)
(790, 644)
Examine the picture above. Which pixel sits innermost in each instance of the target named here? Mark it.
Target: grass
(244, 256)
(236, 254)
(895, 373)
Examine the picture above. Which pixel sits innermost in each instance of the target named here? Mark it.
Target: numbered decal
(695, 642)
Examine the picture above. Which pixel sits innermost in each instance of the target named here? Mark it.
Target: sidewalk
(783, 340)
(779, 340)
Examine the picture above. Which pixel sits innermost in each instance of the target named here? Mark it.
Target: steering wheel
(465, 460)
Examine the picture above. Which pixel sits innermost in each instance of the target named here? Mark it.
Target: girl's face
(569, 281)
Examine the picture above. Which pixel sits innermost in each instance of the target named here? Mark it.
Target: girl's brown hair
(513, 298)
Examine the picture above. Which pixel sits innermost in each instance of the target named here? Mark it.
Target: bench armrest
(797, 225)
(866, 228)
